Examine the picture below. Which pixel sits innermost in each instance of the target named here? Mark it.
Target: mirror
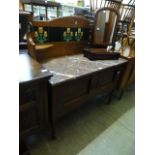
(105, 23)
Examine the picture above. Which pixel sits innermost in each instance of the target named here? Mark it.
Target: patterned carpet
(91, 130)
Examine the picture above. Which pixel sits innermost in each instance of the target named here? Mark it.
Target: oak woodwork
(33, 100)
(68, 95)
(105, 32)
(128, 77)
(58, 48)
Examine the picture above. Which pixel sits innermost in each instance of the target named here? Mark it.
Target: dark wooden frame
(128, 77)
(65, 48)
(102, 9)
(112, 4)
(33, 99)
(78, 90)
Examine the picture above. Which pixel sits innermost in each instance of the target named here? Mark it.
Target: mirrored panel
(104, 26)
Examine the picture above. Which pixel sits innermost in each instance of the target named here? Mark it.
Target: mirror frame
(97, 13)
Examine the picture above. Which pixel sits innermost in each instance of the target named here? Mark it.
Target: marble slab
(71, 67)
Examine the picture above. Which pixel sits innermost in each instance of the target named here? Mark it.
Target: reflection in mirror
(105, 23)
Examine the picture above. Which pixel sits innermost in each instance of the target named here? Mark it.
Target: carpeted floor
(93, 129)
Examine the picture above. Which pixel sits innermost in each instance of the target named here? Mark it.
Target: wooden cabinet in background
(40, 8)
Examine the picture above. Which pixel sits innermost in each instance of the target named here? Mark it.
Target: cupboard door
(28, 118)
(32, 108)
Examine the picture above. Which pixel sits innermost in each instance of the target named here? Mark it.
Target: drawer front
(106, 79)
(102, 78)
(69, 95)
(71, 90)
(28, 94)
(29, 119)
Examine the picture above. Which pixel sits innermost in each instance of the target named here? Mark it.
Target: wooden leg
(120, 94)
(50, 113)
(53, 133)
(110, 97)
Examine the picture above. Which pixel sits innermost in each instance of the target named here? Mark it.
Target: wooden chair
(115, 4)
(127, 37)
(125, 27)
